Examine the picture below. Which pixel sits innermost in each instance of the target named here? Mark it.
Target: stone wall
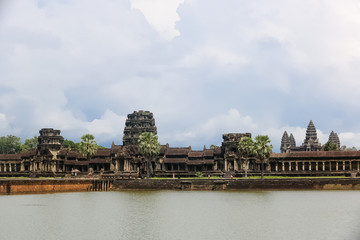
(229, 184)
(17, 186)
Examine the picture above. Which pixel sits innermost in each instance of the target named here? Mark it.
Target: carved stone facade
(137, 123)
(311, 142)
(334, 138)
(125, 161)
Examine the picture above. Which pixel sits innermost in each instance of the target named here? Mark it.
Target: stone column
(116, 165)
(343, 165)
(22, 167)
(5, 167)
(323, 166)
(296, 166)
(303, 166)
(226, 165)
(358, 166)
(337, 166)
(276, 167)
(282, 166)
(317, 166)
(10, 170)
(309, 166)
(330, 166)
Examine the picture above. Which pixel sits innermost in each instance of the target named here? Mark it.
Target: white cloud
(79, 65)
(161, 15)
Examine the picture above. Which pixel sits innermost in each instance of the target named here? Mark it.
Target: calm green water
(182, 215)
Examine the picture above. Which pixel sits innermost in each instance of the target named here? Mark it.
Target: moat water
(182, 215)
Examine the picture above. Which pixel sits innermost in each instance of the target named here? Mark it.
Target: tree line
(11, 144)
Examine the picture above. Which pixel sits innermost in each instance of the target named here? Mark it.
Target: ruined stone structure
(311, 142)
(285, 142)
(334, 138)
(50, 157)
(137, 123)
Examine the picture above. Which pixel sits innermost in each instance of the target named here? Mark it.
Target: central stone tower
(137, 123)
(49, 139)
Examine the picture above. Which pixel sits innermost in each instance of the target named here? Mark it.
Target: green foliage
(344, 148)
(149, 147)
(246, 148)
(10, 144)
(70, 144)
(199, 174)
(30, 143)
(88, 146)
(329, 146)
(263, 150)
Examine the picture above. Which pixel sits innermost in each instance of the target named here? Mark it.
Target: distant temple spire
(292, 141)
(311, 142)
(285, 142)
(334, 138)
(310, 132)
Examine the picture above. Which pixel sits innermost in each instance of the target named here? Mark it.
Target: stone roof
(10, 156)
(177, 151)
(196, 154)
(317, 154)
(175, 160)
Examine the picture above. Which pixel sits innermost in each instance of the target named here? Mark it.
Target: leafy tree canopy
(88, 146)
(10, 144)
(329, 146)
(30, 143)
(70, 144)
(149, 145)
(246, 147)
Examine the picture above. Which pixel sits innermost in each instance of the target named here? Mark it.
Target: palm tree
(149, 147)
(88, 146)
(263, 149)
(246, 148)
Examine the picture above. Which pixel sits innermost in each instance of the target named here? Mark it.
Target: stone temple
(51, 158)
(311, 142)
(137, 123)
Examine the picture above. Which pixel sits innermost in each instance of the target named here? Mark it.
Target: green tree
(263, 150)
(10, 144)
(70, 144)
(330, 146)
(30, 143)
(88, 146)
(246, 148)
(149, 147)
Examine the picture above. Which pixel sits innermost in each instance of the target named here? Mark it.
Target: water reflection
(182, 215)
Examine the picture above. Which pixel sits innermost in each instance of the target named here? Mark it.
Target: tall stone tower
(292, 141)
(285, 142)
(311, 142)
(137, 123)
(49, 139)
(334, 138)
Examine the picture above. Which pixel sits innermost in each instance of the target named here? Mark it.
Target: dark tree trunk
(149, 168)
(262, 169)
(246, 167)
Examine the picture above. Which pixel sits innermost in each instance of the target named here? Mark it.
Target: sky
(203, 67)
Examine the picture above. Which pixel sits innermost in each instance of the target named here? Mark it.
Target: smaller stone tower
(334, 138)
(137, 123)
(285, 142)
(292, 141)
(49, 139)
(311, 142)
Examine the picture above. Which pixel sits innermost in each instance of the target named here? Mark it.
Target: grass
(286, 177)
(254, 177)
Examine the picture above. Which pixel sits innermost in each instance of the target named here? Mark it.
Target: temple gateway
(51, 158)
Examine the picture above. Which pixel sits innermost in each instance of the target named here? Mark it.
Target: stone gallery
(51, 158)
